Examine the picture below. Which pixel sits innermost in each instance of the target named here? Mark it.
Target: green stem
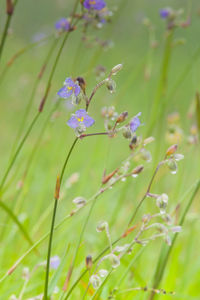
(40, 108)
(18, 151)
(161, 91)
(5, 32)
(35, 86)
(162, 262)
(53, 222)
(20, 52)
(17, 222)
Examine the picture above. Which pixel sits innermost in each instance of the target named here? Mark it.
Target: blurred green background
(135, 93)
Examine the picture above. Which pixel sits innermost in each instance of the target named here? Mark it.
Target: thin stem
(161, 90)
(17, 222)
(36, 83)
(5, 32)
(53, 222)
(18, 151)
(145, 195)
(20, 52)
(92, 134)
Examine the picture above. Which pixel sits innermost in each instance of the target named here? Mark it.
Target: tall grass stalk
(6, 27)
(157, 107)
(41, 107)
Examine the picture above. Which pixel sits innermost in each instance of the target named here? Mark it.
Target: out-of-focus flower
(164, 13)
(54, 262)
(94, 4)
(62, 25)
(135, 122)
(70, 89)
(80, 118)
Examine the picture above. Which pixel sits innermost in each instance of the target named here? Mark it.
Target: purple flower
(62, 25)
(54, 262)
(95, 4)
(164, 13)
(135, 123)
(70, 89)
(80, 118)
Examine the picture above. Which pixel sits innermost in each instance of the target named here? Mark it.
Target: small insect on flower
(164, 13)
(94, 4)
(70, 90)
(62, 25)
(135, 122)
(80, 120)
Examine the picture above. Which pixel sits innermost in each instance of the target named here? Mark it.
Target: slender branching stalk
(7, 24)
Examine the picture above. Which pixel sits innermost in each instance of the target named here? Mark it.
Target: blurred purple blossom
(70, 88)
(55, 262)
(62, 25)
(164, 13)
(80, 117)
(135, 122)
(95, 4)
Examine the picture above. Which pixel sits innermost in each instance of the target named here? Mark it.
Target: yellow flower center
(80, 119)
(92, 2)
(69, 87)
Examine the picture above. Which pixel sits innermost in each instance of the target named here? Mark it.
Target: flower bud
(88, 262)
(176, 229)
(114, 260)
(116, 69)
(95, 281)
(127, 133)
(172, 165)
(171, 150)
(102, 225)
(122, 117)
(25, 273)
(103, 273)
(79, 201)
(111, 85)
(162, 202)
(146, 155)
(168, 240)
(148, 140)
(137, 170)
(146, 218)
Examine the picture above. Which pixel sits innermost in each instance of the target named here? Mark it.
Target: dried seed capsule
(88, 262)
(116, 69)
(171, 150)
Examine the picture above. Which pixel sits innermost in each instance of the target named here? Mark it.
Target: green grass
(29, 196)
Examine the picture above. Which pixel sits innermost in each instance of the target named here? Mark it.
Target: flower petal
(73, 122)
(77, 90)
(81, 113)
(64, 92)
(88, 121)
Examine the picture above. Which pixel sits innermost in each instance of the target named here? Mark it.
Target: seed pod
(137, 170)
(82, 83)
